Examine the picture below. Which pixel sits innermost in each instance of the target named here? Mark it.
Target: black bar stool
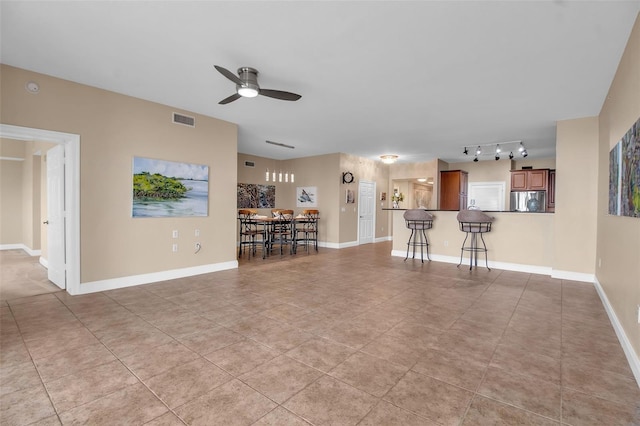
(418, 221)
(474, 222)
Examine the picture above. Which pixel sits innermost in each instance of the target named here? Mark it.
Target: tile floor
(341, 337)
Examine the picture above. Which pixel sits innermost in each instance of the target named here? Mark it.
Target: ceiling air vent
(249, 164)
(184, 120)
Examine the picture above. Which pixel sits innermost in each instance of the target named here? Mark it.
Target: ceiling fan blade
(230, 99)
(231, 76)
(279, 94)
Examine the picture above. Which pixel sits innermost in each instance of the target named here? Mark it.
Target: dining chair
(282, 230)
(251, 234)
(306, 230)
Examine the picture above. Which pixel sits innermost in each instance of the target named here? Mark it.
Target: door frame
(373, 209)
(71, 144)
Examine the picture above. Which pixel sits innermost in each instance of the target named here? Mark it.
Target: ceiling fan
(247, 86)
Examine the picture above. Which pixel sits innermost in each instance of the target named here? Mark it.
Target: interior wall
(11, 188)
(114, 128)
(618, 248)
(321, 172)
(576, 195)
(536, 163)
(363, 169)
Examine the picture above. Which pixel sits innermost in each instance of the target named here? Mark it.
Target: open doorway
(69, 260)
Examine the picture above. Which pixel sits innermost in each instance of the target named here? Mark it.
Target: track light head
(521, 147)
(497, 157)
(511, 155)
(478, 150)
(498, 149)
(524, 153)
(465, 152)
(475, 159)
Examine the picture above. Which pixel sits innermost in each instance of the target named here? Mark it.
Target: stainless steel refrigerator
(528, 201)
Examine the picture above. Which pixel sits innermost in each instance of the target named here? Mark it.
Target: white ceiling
(417, 79)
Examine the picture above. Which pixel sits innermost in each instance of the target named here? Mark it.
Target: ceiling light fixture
(521, 147)
(247, 91)
(389, 158)
(475, 160)
(498, 150)
(524, 153)
(497, 157)
(511, 155)
(478, 150)
(465, 152)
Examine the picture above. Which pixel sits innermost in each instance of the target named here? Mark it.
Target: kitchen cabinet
(453, 189)
(529, 180)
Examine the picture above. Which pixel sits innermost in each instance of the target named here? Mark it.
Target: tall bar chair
(418, 221)
(474, 222)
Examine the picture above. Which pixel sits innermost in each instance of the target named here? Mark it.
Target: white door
(56, 216)
(366, 212)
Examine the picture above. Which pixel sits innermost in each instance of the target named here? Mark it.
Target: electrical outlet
(174, 248)
(446, 243)
(175, 233)
(197, 233)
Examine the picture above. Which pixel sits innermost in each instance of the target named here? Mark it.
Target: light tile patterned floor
(340, 337)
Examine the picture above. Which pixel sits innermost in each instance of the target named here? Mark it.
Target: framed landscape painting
(169, 189)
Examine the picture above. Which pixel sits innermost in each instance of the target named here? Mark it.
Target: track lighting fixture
(497, 149)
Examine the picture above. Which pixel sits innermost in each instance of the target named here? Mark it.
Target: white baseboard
(573, 276)
(29, 251)
(632, 356)
(383, 239)
(133, 280)
(531, 269)
(44, 262)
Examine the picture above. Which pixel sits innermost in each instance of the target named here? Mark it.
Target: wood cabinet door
(451, 189)
(519, 181)
(537, 180)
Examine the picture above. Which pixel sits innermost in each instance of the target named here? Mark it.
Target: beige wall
(113, 129)
(11, 188)
(618, 237)
(576, 195)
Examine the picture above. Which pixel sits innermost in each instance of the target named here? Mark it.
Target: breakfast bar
(518, 241)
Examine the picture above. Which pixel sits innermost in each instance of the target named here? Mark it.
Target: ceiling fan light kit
(247, 86)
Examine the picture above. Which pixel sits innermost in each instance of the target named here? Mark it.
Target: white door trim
(72, 191)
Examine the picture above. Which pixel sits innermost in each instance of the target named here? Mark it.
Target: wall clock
(347, 177)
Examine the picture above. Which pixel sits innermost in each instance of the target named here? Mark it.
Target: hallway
(22, 275)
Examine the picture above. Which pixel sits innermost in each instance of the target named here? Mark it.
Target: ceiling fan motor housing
(249, 77)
